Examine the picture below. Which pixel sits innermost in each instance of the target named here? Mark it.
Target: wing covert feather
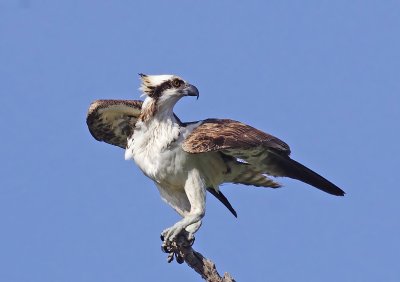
(226, 134)
(112, 121)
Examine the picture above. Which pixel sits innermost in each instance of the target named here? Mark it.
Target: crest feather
(150, 82)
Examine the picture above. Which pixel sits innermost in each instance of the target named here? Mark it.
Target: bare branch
(182, 249)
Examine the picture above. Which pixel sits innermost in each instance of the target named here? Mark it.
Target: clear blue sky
(322, 75)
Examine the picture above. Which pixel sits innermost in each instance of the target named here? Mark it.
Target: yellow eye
(177, 83)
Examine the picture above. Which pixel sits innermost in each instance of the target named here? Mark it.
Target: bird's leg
(171, 233)
(196, 194)
(187, 233)
(191, 229)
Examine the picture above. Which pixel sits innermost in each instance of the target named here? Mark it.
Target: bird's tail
(243, 173)
(255, 178)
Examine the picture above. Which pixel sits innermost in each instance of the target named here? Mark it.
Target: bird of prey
(185, 160)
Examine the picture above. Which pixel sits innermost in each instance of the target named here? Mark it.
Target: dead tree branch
(182, 250)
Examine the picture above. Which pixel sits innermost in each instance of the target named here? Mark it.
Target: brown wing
(226, 134)
(267, 153)
(112, 121)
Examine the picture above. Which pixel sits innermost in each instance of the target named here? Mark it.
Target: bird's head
(163, 91)
(166, 88)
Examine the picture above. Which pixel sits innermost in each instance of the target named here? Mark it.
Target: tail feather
(255, 178)
(244, 173)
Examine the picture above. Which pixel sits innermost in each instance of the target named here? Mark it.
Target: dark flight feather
(221, 197)
(286, 166)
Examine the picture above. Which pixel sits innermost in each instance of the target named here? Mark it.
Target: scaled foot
(171, 245)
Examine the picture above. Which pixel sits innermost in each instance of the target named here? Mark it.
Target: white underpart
(181, 178)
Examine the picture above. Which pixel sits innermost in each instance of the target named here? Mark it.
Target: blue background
(322, 75)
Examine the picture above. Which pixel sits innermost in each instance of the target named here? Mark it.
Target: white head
(163, 91)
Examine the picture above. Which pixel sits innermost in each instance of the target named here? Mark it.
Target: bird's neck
(154, 110)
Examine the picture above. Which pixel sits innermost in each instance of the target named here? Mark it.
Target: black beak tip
(193, 91)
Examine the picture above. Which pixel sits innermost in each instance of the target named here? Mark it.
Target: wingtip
(337, 192)
(342, 194)
(234, 213)
(221, 197)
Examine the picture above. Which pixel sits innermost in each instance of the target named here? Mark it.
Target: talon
(165, 249)
(179, 259)
(170, 257)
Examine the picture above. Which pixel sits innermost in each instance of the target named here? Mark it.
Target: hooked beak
(192, 90)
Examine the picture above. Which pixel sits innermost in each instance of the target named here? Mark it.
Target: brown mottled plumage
(149, 111)
(112, 121)
(223, 134)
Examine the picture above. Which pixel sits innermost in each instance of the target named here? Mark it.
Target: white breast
(155, 149)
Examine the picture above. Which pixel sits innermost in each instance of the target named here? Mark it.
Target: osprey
(185, 160)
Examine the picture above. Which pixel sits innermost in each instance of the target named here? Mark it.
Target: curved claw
(170, 257)
(179, 259)
(165, 249)
(173, 237)
(191, 240)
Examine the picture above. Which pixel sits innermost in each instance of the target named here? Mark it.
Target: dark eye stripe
(156, 93)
